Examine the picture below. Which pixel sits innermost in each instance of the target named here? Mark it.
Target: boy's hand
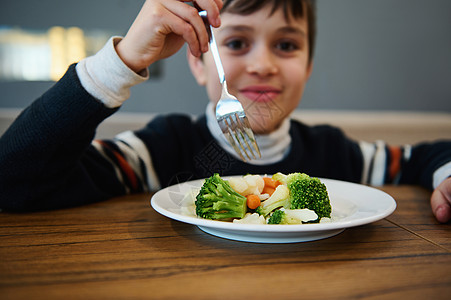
(162, 27)
(441, 201)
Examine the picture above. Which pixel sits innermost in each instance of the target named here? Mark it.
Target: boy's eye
(236, 44)
(287, 46)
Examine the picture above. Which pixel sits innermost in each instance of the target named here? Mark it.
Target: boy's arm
(42, 154)
(46, 155)
(425, 164)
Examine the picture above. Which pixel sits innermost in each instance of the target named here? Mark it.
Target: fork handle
(214, 47)
(215, 52)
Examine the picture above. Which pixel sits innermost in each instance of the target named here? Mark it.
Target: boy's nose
(261, 62)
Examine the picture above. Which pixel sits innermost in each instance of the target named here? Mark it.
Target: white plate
(352, 205)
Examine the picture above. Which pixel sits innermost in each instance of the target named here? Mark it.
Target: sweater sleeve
(46, 157)
(425, 164)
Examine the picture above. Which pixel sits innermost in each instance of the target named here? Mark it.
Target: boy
(48, 158)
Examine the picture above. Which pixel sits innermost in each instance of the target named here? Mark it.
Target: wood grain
(123, 249)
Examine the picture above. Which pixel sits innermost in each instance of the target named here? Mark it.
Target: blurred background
(371, 56)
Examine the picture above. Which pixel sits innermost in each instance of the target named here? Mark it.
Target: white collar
(273, 146)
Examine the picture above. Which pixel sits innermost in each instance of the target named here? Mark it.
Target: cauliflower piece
(247, 185)
(251, 219)
(280, 198)
(300, 215)
(292, 216)
(255, 184)
(239, 185)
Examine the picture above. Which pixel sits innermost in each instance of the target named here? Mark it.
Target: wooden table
(123, 249)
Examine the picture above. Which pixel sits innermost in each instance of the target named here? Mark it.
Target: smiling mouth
(260, 95)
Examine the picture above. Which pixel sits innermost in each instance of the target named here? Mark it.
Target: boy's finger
(441, 201)
(213, 8)
(442, 212)
(194, 31)
(187, 32)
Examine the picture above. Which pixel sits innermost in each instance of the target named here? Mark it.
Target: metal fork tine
(242, 140)
(233, 121)
(248, 136)
(236, 128)
(229, 133)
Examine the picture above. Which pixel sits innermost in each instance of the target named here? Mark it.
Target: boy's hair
(291, 8)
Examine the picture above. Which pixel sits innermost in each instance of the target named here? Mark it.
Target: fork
(229, 112)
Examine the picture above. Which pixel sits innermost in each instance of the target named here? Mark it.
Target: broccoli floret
(218, 201)
(292, 216)
(276, 217)
(280, 198)
(308, 192)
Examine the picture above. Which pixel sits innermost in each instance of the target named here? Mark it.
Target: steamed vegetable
(295, 198)
(218, 201)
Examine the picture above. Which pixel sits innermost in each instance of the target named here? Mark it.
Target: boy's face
(266, 64)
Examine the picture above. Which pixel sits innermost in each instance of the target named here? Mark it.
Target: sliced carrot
(253, 201)
(269, 182)
(268, 190)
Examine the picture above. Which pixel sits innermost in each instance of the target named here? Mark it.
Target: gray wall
(370, 55)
